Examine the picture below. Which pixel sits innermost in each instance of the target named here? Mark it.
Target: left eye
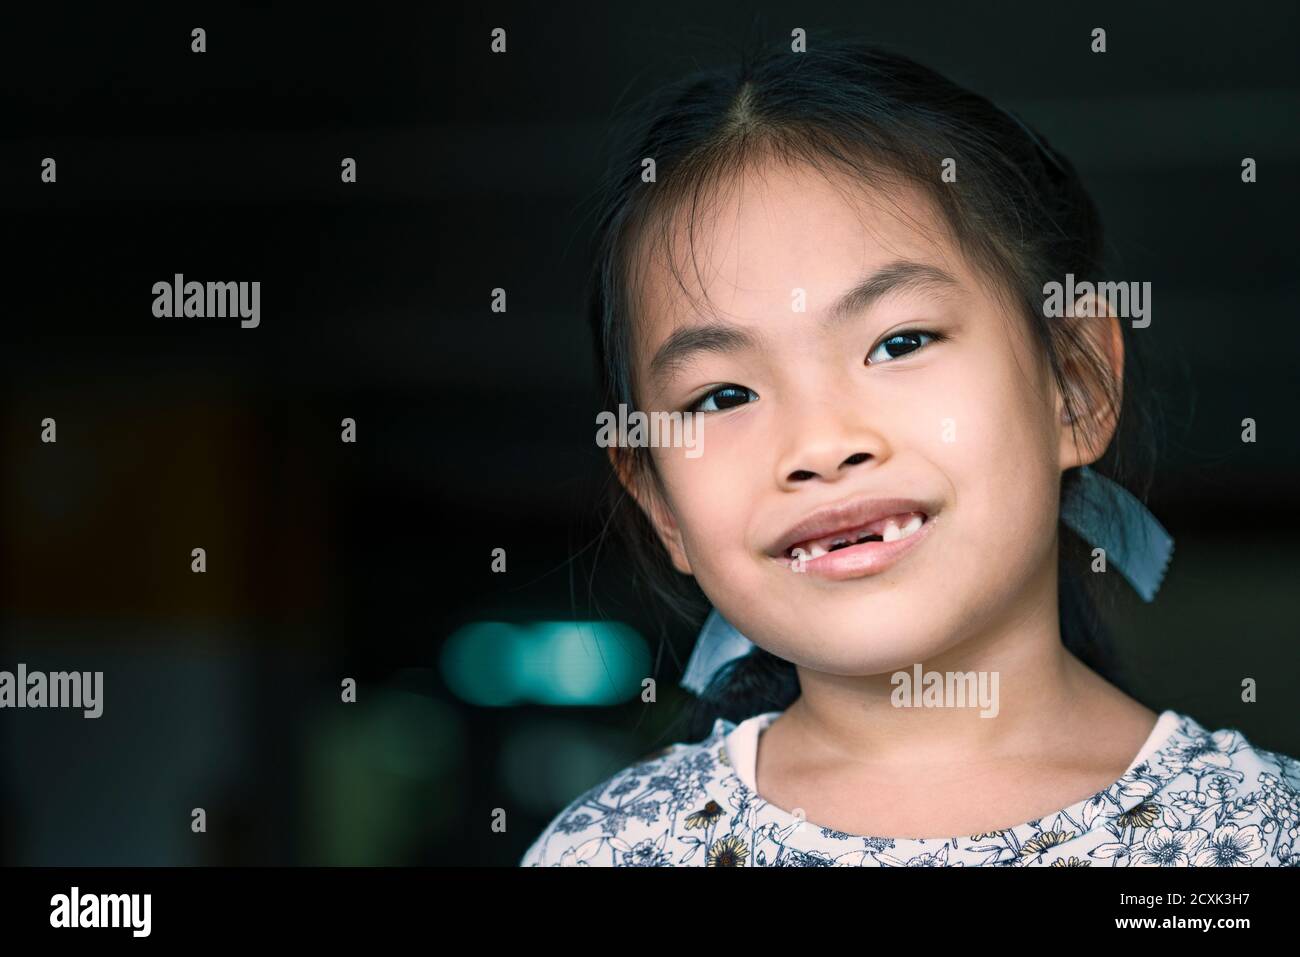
(900, 344)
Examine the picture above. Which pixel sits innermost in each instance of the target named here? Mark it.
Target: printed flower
(580, 855)
(628, 784)
(1282, 801)
(792, 858)
(1045, 841)
(994, 855)
(730, 851)
(931, 860)
(705, 816)
(835, 835)
(1117, 852)
(1143, 815)
(1094, 806)
(614, 821)
(1211, 752)
(573, 824)
(646, 853)
(1242, 807)
(1189, 802)
(1165, 847)
(1072, 862)
(938, 859)
(1220, 788)
(1140, 788)
(647, 811)
(1231, 846)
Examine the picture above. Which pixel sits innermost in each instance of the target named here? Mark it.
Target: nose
(828, 445)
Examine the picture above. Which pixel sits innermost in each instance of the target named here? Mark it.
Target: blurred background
(372, 561)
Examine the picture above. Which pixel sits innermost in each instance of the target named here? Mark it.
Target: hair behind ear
(756, 683)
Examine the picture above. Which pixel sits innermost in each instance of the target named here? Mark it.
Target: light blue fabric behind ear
(1109, 516)
(1103, 513)
(719, 642)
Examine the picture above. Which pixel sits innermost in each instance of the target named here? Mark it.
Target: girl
(837, 260)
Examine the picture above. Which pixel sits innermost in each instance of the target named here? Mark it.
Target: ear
(646, 493)
(1094, 323)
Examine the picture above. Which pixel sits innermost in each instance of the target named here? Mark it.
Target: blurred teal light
(497, 664)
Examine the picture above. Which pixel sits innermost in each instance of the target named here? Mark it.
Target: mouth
(889, 529)
(856, 537)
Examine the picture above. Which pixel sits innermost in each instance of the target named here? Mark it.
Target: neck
(1041, 693)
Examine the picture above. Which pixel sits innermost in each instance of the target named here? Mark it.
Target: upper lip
(845, 516)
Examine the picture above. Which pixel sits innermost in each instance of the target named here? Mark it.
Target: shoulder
(628, 819)
(1227, 801)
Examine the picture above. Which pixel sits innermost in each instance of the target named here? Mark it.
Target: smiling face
(897, 374)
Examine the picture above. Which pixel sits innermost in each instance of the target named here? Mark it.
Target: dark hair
(1017, 209)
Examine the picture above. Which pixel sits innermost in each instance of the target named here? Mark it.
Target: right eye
(723, 398)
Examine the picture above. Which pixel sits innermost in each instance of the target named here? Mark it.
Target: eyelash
(926, 333)
(933, 337)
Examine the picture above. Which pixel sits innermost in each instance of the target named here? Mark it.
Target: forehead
(740, 253)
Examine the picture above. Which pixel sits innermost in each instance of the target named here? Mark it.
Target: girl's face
(924, 387)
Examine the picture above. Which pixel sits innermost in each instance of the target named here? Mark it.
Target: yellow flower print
(1143, 815)
(1045, 841)
(728, 852)
(705, 816)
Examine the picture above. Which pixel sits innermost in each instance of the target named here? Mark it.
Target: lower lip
(857, 561)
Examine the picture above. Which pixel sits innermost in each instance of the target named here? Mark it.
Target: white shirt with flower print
(1190, 798)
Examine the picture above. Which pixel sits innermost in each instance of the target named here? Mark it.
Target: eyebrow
(896, 277)
(723, 338)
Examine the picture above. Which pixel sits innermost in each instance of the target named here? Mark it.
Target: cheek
(990, 439)
(709, 499)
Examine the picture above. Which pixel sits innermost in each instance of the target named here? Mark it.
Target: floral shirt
(1190, 798)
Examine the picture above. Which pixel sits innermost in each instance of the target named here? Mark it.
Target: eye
(722, 398)
(902, 343)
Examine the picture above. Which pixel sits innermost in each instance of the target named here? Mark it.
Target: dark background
(328, 560)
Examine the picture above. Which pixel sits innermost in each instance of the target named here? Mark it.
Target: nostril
(855, 459)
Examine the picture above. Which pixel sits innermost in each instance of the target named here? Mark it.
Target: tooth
(892, 532)
(912, 525)
(815, 551)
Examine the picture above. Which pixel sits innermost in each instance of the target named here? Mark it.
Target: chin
(834, 644)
